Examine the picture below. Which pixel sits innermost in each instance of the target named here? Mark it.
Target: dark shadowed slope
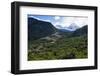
(38, 29)
(81, 31)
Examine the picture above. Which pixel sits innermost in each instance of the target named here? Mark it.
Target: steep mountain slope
(81, 31)
(38, 29)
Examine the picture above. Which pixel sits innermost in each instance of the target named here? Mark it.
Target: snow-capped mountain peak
(71, 27)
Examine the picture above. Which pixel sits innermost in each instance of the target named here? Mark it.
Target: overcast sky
(63, 21)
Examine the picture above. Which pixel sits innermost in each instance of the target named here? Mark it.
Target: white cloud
(56, 17)
(81, 21)
(67, 21)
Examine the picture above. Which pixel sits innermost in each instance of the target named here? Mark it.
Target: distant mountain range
(38, 29)
(71, 27)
